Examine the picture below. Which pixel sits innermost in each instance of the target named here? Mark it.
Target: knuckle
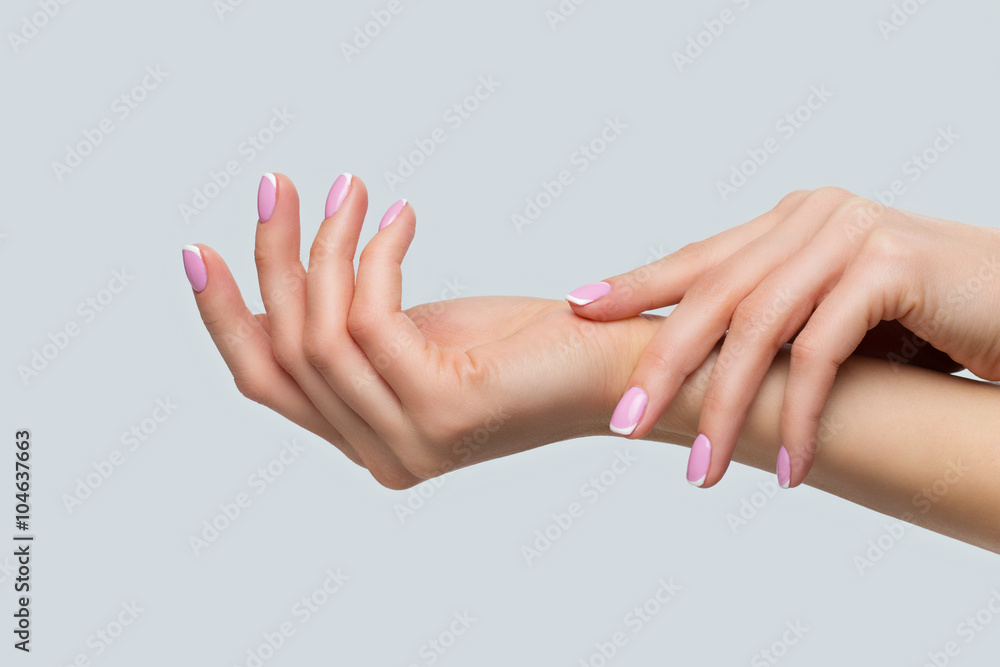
(829, 196)
(316, 347)
(806, 350)
(656, 362)
(285, 353)
(693, 252)
(714, 289)
(885, 246)
(792, 201)
(749, 319)
(262, 256)
(251, 388)
(854, 211)
(320, 251)
(359, 320)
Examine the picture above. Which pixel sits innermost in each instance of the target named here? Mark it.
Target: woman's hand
(826, 268)
(407, 394)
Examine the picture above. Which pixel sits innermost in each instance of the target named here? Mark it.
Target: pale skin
(401, 392)
(820, 271)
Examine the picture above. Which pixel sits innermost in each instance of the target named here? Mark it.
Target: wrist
(625, 342)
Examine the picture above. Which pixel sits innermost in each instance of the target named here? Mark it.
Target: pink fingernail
(392, 214)
(338, 193)
(701, 456)
(784, 468)
(629, 411)
(581, 296)
(194, 267)
(267, 196)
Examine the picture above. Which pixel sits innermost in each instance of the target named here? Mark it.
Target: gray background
(653, 191)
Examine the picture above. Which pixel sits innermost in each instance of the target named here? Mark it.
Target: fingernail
(784, 468)
(338, 193)
(194, 267)
(267, 195)
(392, 214)
(629, 411)
(581, 296)
(701, 456)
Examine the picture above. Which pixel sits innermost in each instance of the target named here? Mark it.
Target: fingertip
(588, 294)
(393, 213)
(276, 194)
(338, 193)
(629, 412)
(194, 267)
(267, 196)
(783, 468)
(699, 461)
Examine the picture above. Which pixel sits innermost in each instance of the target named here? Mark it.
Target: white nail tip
(698, 482)
(193, 248)
(624, 431)
(271, 178)
(578, 301)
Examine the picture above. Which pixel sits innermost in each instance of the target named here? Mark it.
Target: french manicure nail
(338, 193)
(194, 267)
(581, 296)
(392, 214)
(784, 468)
(267, 195)
(629, 411)
(701, 456)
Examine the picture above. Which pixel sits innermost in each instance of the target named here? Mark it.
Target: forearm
(908, 442)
